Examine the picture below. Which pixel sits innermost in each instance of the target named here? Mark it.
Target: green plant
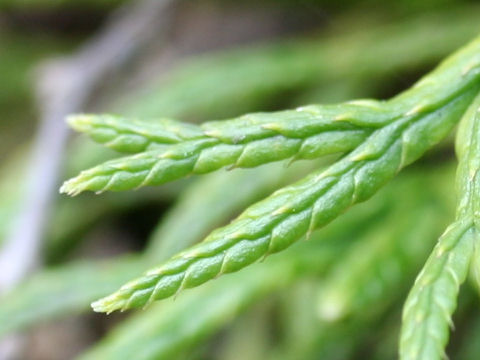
(428, 309)
(376, 139)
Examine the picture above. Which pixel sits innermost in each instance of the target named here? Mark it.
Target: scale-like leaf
(431, 302)
(278, 221)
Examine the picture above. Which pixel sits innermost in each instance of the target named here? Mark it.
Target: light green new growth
(432, 300)
(256, 139)
(408, 125)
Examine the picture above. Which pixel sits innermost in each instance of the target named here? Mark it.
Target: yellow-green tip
(81, 122)
(107, 305)
(73, 186)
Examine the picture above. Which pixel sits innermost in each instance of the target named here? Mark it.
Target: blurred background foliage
(337, 296)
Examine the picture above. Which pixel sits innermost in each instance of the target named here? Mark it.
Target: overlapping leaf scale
(255, 139)
(429, 307)
(261, 138)
(432, 300)
(281, 219)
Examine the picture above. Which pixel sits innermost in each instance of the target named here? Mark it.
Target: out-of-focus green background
(338, 296)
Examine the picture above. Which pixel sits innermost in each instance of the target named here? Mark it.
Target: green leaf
(278, 221)
(304, 133)
(432, 300)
